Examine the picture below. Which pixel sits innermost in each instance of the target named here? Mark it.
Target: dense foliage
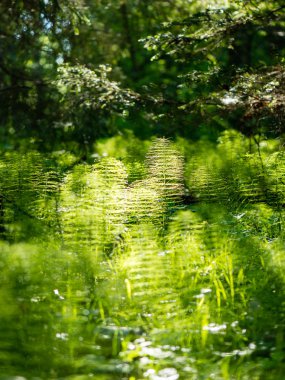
(142, 189)
(73, 71)
(107, 273)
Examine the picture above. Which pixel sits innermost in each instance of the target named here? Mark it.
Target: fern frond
(28, 188)
(145, 203)
(147, 270)
(165, 169)
(93, 203)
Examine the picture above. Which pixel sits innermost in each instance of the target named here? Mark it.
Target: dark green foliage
(225, 54)
(214, 66)
(93, 89)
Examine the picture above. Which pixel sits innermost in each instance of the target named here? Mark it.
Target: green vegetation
(142, 190)
(117, 279)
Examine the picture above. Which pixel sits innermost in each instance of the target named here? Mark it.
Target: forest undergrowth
(159, 260)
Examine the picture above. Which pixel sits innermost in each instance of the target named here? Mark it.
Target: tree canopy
(74, 71)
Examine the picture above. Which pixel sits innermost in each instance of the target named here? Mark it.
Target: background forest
(142, 189)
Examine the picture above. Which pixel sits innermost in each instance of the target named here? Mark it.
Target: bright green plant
(119, 278)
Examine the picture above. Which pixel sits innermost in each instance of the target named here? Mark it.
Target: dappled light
(128, 281)
(142, 190)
